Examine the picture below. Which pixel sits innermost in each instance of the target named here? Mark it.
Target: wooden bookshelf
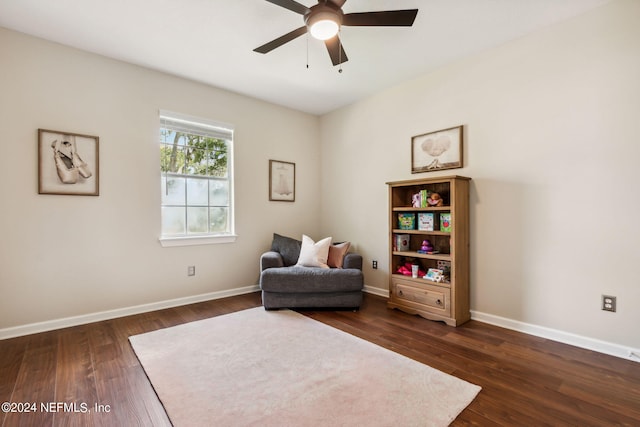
(446, 300)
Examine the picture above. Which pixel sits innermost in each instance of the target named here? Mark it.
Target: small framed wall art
(282, 181)
(68, 163)
(437, 150)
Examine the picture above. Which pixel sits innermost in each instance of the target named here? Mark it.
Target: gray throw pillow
(287, 247)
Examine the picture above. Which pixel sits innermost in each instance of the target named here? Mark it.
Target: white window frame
(203, 127)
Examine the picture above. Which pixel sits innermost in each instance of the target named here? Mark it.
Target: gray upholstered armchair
(285, 284)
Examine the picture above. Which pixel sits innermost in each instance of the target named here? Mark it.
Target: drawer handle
(438, 302)
(400, 293)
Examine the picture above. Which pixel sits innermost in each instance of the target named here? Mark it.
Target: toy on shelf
(435, 200)
(405, 270)
(415, 200)
(426, 247)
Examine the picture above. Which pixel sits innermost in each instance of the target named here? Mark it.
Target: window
(196, 159)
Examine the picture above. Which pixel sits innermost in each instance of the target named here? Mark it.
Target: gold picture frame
(68, 163)
(437, 150)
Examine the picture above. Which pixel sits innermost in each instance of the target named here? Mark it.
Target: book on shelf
(402, 242)
(425, 221)
(424, 197)
(445, 222)
(406, 221)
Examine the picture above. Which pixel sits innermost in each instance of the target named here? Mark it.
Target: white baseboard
(560, 336)
(66, 322)
(376, 291)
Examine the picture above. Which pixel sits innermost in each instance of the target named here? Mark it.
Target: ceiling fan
(324, 19)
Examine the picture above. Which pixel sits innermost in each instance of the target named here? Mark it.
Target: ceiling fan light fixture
(323, 21)
(324, 29)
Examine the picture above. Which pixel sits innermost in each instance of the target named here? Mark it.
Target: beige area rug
(280, 368)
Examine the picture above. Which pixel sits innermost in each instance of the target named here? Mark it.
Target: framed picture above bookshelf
(437, 150)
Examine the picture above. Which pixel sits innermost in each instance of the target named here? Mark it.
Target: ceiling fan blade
(389, 18)
(336, 50)
(338, 3)
(268, 47)
(293, 6)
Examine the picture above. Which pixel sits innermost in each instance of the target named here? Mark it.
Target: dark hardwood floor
(526, 381)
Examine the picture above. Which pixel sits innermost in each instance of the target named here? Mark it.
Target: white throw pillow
(314, 254)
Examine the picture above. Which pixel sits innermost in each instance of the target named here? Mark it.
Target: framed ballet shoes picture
(67, 163)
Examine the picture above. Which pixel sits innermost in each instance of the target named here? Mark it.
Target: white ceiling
(212, 41)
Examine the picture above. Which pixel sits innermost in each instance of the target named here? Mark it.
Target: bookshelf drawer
(433, 298)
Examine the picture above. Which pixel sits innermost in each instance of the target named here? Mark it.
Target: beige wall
(551, 144)
(68, 255)
(551, 127)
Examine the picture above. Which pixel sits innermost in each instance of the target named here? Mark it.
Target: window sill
(167, 242)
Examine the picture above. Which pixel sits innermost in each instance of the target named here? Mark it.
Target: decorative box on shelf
(445, 222)
(407, 221)
(425, 221)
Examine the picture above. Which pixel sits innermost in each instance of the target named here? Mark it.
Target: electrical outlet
(608, 303)
(374, 265)
(191, 270)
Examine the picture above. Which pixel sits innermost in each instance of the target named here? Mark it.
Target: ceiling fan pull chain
(340, 49)
(307, 50)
